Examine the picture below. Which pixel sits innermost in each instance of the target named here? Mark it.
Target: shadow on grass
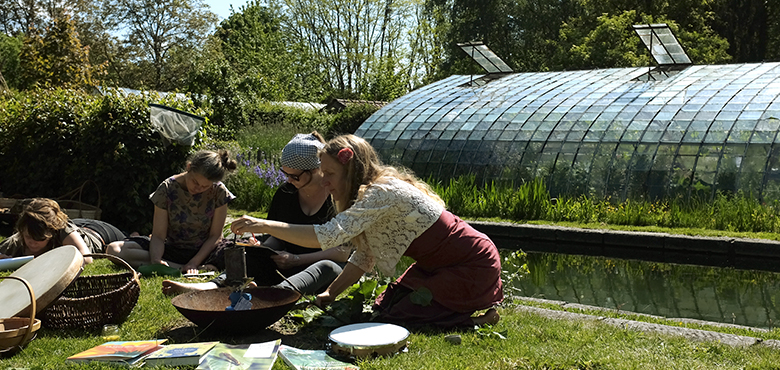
(290, 331)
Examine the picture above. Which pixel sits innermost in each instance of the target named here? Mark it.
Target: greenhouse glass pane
(716, 136)
(727, 116)
(451, 156)
(651, 136)
(750, 115)
(707, 164)
(508, 135)
(541, 135)
(684, 116)
(740, 136)
(762, 137)
(694, 137)
(705, 116)
(442, 136)
(576, 136)
(688, 149)
(594, 136)
(672, 136)
(493, 135)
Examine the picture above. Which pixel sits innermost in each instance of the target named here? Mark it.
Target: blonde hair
(41, 218)
(365, 168)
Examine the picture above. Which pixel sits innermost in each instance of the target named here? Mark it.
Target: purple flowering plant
(256, 178)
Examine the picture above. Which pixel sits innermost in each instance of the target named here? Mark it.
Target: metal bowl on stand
(206, 309)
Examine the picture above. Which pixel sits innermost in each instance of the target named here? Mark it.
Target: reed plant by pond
(531, 201)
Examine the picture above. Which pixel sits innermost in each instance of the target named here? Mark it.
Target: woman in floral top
(387, 213)
(189, 213)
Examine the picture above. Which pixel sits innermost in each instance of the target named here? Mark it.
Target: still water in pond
(725, 295)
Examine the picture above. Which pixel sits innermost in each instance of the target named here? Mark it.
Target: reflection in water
(674, 291)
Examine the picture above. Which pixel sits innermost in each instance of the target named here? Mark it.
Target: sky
(222, 7)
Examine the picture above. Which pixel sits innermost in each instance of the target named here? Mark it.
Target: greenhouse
(674, 129)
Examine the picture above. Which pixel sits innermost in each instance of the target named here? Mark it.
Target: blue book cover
(180, 354)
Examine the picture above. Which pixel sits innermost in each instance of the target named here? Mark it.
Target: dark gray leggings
(312, 280)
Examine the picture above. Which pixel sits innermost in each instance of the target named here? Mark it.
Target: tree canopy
(314, 50)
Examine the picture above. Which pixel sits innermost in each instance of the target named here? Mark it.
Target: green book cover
(307, 359)
(240, 357)
(180, 354)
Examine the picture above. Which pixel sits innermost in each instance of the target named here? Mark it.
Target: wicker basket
(72, 205)
(16, 332)
(95, 300)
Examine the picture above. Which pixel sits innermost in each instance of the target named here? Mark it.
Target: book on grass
(255, 356)
(307, 359)
(180, 354)
(128, 353)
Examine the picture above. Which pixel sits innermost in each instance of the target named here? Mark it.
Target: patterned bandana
(301, 152)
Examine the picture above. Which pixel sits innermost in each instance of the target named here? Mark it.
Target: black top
(286, 207)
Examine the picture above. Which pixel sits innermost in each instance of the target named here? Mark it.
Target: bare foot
(170, 287)
(491, 317)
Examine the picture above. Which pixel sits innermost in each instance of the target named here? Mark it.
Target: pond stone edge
(688, 333)
(740, 253)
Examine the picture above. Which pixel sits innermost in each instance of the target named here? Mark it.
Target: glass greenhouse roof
(599, 132)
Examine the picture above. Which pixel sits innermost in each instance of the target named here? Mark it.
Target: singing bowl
(206, 309)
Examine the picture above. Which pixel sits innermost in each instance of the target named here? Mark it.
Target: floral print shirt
(189, 216)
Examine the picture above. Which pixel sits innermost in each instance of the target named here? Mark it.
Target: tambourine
(366, 340)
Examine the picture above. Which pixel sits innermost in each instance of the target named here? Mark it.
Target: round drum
(368, 339)
(48, 274)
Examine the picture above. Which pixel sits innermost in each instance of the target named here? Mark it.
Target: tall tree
(745, 24)
(349, 37)
(17, 16)
(10, 68)
(56, 57)
(153, 33)
(275, 65)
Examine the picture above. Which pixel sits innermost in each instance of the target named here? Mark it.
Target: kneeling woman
(387, 213)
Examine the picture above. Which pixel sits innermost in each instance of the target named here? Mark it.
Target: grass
(521, 340)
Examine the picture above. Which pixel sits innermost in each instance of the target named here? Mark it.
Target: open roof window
(667, 52)
(488, 60)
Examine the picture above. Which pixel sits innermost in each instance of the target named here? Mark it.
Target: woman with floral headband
(387, 213)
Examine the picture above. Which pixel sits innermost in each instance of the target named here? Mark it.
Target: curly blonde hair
(365, 168)
(41, 218)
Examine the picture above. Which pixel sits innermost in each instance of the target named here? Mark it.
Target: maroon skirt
(458, 265)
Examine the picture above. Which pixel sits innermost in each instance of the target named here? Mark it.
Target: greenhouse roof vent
(487, 59)
(667, 52)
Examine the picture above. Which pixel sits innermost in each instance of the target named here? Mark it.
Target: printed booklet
(256, 356)
(180, 354)
(307, 359)
(128, 353)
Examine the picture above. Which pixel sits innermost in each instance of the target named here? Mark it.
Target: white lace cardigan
(383, 223)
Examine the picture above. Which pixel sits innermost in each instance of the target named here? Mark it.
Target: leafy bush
(348, 120)
(52, 141)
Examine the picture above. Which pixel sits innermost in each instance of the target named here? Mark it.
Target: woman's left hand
(285, 260)
(246, 224)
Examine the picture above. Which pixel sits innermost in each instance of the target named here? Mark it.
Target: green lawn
(521, 340)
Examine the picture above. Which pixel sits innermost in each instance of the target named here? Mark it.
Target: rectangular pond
(727, 295)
